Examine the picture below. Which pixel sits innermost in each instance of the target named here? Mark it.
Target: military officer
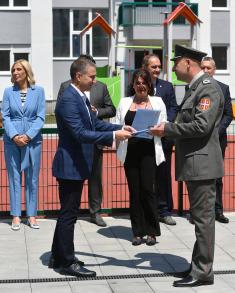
(198, 157)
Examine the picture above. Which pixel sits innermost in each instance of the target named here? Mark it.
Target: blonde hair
(28, 69)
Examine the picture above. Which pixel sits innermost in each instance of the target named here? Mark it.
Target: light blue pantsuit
(29, 120)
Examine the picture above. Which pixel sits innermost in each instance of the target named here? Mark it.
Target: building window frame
(223, 71)
(14, 50)
(88, 35)
(214, 8)
(11, 6)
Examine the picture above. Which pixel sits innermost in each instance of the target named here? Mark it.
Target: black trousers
(219, 188)
(140, 172)
(63, 242)
(164, 180)
(95, 191)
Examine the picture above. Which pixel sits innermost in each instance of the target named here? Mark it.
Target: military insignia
(206, 81)
(204, 104)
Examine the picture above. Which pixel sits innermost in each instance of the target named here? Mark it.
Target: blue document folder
(145, 118)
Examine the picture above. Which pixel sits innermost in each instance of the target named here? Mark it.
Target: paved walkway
(120, 267)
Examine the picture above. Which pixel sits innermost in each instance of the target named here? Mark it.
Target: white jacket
(123, 107)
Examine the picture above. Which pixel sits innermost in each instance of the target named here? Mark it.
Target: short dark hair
(87, 57)
(143, 73)
(80, 65)
(145, 61)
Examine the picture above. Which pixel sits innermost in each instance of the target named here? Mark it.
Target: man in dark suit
(198, 157)
(165, 90)
(79, 129)
(103, 107)
(208, 65)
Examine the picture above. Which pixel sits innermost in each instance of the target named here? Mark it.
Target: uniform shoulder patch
(206, 81)
(204, 104)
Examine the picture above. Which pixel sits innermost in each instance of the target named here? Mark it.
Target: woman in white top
(140, 157)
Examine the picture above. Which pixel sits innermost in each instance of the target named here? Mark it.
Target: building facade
(47, 34)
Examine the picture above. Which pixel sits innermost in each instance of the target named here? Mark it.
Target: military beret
(181, 51)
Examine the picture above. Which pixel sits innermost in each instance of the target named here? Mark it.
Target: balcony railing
(149, 13)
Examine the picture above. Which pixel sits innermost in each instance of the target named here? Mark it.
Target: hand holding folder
(144, 119)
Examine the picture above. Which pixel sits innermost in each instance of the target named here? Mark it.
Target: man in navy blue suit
(165, 90)
(79, 129)
(208, 65)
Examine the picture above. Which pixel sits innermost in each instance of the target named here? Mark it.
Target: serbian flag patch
(204, 104)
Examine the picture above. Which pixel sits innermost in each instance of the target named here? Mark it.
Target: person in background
(165, 90)
(208, 65)
(198, 157)
(79, 129)
(103, 107)
(23, 113)
(141, 158)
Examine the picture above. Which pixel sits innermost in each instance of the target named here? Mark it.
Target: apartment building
(47, 33)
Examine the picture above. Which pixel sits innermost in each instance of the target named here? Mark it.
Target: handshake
(127, 131)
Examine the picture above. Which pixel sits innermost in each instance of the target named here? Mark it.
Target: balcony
(144, 20)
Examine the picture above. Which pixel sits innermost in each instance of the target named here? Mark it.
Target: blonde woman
(23, 112)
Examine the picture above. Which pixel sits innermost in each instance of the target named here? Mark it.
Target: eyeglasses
(156, 66)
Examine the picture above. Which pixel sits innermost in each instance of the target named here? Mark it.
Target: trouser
(70, 192)
(140, 172)
(202, 205)
(13, 164)
(95, 191)
(219, 189)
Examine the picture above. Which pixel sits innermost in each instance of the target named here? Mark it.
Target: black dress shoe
(98, 220)
(76, 270)
(189, 281)
(151, 240)
(182, 274)
(136, 241)
(221, 218)
(52, 264)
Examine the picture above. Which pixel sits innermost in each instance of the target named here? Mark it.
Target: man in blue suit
(208, 65)
(165, 90)
(79, 129)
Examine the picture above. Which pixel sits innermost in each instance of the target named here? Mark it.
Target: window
(61, 33)
(4, 60)
(4, 3)
(219, 3)
(219, 54)
(18, 56)
(14, 3)
(9, 55)
(67, 26)
(20, 3)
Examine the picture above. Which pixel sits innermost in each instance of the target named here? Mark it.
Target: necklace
(141, 105)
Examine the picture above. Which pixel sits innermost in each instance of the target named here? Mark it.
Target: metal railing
(115, 190)
(149, 13)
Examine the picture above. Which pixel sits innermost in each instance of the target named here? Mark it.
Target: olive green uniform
(199, 162)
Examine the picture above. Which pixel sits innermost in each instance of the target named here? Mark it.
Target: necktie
(89, 108)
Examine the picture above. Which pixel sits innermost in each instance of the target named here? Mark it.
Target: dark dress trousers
(199, 162)
(227, 117)
(101, 100)
(165, 90)
(78, 131)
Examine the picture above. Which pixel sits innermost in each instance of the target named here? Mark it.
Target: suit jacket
(227, 116)
(77, 136)
(23, 120)
(198, 152)
(123, 107)
(165, 90)
(99, 98)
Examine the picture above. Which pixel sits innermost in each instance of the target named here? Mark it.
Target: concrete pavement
(120, 267)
